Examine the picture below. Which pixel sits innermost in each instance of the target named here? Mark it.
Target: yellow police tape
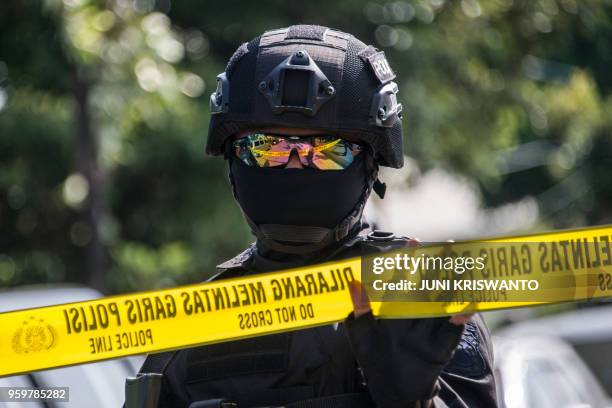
(567, 265)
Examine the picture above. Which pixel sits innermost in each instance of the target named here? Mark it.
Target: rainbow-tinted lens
(320, 152)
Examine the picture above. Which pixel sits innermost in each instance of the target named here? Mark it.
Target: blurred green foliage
(103, 117)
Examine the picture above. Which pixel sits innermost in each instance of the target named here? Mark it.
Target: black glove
(402, 358)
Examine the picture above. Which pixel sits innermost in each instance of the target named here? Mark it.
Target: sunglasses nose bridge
(295, 160)
(303, 151)
(300, 147)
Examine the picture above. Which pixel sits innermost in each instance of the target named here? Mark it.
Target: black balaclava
(300, 197)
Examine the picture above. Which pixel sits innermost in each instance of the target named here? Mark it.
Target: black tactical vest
(312, 365)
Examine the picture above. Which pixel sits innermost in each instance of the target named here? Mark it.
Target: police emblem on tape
(33, 336)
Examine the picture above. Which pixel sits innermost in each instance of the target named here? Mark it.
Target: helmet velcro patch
(379, 64)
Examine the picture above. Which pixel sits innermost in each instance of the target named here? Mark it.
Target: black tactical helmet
(312, 77)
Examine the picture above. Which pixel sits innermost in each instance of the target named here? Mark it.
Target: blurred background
(104, 112)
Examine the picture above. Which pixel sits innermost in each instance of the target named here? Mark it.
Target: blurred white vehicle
(588, 330)
(90, 385)
(544, 372)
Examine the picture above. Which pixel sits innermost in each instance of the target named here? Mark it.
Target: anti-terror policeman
(304, 116)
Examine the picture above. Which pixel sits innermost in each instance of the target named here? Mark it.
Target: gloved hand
(401, 358)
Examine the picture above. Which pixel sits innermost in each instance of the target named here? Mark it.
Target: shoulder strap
(156, 363)
(236, 262)
(144, 389)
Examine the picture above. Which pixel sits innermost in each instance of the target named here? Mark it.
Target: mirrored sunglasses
(319, 152)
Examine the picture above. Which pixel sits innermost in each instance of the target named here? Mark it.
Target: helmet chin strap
(304, 240)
